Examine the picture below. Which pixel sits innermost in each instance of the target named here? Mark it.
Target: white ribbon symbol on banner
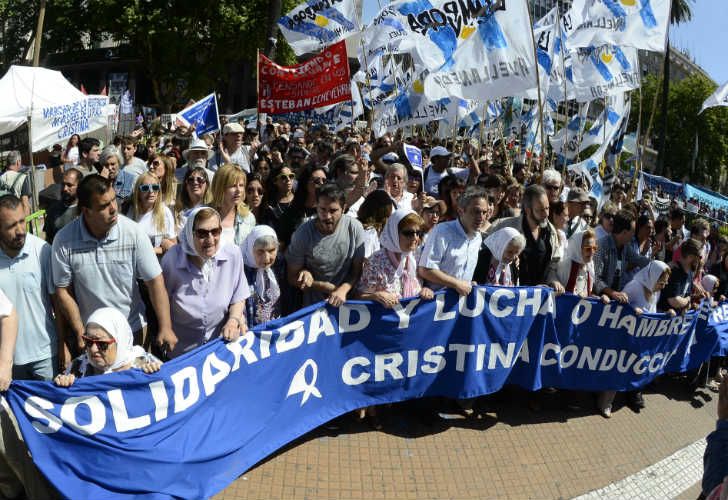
(300, 384)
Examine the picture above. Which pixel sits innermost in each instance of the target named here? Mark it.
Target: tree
(685, 100)
(679, 12)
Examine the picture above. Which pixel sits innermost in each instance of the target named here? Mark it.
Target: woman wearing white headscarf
(497, 259)
(260, 250)
(109, 348)
(643, 292)
(710, 284)
(390, 274)
(205, 283)
(576, 269)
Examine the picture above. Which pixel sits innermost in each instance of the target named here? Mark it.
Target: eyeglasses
(319, 181)
(204, 233)
(411, 233)
(156, 163)
(101, 345)
(196, 180)
(288, 177)
(145, 188)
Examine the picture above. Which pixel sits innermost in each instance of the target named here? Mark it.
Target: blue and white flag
(316, 24)
(561, 81)
(565, 142)
(641, 24)
(202, 114)
(717, 98)
(607, 126)
(591, 170)
(606, 70)
(414, 155)
(209, 415)
(496, 59)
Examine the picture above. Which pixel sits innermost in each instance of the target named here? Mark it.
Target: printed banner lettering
(55, 124)
(315, 24)
(211, 414)
(320, 81)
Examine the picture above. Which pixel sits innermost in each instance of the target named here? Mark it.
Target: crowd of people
(153, 247)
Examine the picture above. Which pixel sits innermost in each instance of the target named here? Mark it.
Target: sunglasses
(319, 181)
(204, 233)
(145, 188)
(156, 163)
(411, 233)
(288, 177)
(101, 345)
(196, 180)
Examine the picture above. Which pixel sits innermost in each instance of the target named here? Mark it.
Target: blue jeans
(44, 369)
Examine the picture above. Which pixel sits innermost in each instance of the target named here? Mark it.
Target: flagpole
(563, 78)
(538, 83)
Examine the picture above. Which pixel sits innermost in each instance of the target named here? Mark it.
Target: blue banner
(191, 429)
(669, 187)
(203, 115)
(715, 200)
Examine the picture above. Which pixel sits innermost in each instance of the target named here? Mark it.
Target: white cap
(393, 157)
(439, 151)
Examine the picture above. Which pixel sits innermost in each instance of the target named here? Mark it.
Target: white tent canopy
(58, 109)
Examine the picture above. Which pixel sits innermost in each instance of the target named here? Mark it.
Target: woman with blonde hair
(228, 198)
(163, 167)
(151, 214)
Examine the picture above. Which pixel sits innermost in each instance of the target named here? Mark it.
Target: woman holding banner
(498, 258)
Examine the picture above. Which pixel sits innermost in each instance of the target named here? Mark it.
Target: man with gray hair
(13, 181)
(540, 258)
(553, 184)
(110, 162)
(395, 184)
(450, 254)
(197, 155)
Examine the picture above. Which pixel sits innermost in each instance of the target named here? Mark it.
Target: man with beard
(25, 277)
(232, 149)
(350, 177)
(63, 211)
(97, 262)
(197, 155)
(540, 258)
(326, 253)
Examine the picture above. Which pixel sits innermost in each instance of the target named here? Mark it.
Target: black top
(680, 284)
(536, 256)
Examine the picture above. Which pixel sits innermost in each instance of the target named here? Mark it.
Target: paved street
(510, 452)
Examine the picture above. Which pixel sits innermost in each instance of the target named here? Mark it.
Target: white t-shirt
(432, 178)
(155, 236)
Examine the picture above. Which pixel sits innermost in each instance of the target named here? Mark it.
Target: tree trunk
(274, 13)
(661, 167)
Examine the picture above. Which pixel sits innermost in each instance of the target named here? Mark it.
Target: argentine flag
(603, 71)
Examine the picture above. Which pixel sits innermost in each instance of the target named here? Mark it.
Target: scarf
(575, 262)
(498, 243)
(650, 274)
(263, 276)
(187, 242)
(708, 283)
(116, 325)
(405, 262)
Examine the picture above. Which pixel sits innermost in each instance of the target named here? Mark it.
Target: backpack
(11, 188)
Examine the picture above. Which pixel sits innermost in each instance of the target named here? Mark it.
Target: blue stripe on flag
(334, 15)
(491, 33)
(311, 29)
(647, 14)
(623, 61)
(600, 66)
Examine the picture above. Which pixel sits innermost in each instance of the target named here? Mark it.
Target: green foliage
(685, 100)
(200, 43)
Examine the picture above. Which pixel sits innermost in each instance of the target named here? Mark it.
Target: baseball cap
(233, 128)
(439, 151)
(577, 195)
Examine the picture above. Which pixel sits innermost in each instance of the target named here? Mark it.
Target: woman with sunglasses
(194, 192)
(205, 282)
(108, 348)
(255, 196)
(576, 269)
(163, 167)
(280, 197)
(390, 274)
(228, 198)
(151, 214)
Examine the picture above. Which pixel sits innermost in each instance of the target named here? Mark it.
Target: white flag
(605, 128)
(316, 24)
(566, 141)
(590, 169)
(717, 98)
(635, 23)
(496, 60)
(602, 71)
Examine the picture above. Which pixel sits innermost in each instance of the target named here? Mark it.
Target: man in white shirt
(439, 167)
(132, 164)
(232, 149)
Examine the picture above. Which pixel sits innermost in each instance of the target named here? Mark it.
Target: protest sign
(55, 124)
(320, 81)
(211, 414)
(202, 114)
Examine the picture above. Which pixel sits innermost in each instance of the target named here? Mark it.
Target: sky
(705, 37)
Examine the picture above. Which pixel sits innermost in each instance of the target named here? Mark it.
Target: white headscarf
(709, 282)
(649, 275)
(116, 325)
(187, 241)
(573, 254)
(498, 243)
(249, 259)
(389, 240)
